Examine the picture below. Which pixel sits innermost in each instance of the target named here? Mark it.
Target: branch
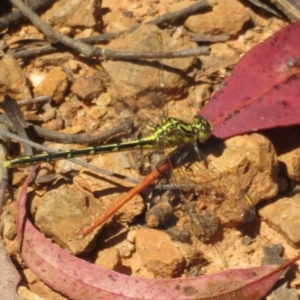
(16, 16)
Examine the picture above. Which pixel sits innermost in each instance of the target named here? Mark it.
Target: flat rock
(141, 84)
(87, 88)
(243, 163)
(72, 13)
(12, 79)
(284, 216)
(54, 85)
(226, 17)
(158, 253)
(108, 258)
(291, 160)
(63, 212)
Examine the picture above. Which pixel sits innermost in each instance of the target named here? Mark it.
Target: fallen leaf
(79, 279)
(263, 90)
(10, 277)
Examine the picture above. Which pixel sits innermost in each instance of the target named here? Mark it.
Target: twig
(171, 17)
(82, 138)
(209, 38)
(50, 34)
(79, 47)
(125, 55)
(185, 12)
(13, 111)
(16, 16)
(36, 100)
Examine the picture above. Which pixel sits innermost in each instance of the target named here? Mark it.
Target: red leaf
(264, 89)
(78, 279)
(10, 277)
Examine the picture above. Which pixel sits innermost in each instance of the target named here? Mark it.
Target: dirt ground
(66, 197)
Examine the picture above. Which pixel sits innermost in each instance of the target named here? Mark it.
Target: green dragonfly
(169, 133)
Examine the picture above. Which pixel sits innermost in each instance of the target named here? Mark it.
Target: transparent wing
(213, 190)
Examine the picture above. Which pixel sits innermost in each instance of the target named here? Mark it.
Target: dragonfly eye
(205, 128)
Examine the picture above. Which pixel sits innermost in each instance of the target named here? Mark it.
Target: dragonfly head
(204, 127)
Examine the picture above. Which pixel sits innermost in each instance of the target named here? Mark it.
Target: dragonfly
(171, 132)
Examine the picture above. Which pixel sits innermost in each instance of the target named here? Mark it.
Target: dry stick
(13, 111)
(119, 55)
(125, 127)
(3, 171)
(16, 16)
(208, 38)
(171, 17)
(36, 100)
(77, 138)
(52, 35)
(78, 45)
(162, 168)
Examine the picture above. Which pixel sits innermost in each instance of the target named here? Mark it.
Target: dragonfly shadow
(213, 145)
(116, 187)
(161, 66)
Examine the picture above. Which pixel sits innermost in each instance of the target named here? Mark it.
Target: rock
(12, 79)
(242, 163)
(284, 216)
(108, 258)
(63, 212)
(54, 59)
(54, 85)
(291, 161)
(131, 236)
(27, 294)
(251, 159)
(9, 227)
(111, 189)
(158, 253)
(69, 110)
(226, 17)
(125, 249)
(287, 145)
(72, 13)
(88, 88)
(134, 80)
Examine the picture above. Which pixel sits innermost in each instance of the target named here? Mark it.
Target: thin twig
(185, 12)
(36, 100)
(126, 55)
(79, 47)
(50, 34)
(80, 138)
(13, 111)
(16, 16)
(208, 38)
(118, 55)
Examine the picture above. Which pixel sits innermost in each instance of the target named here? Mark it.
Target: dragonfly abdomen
(172, 132)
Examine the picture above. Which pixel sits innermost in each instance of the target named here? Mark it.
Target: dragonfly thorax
(174, 132)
